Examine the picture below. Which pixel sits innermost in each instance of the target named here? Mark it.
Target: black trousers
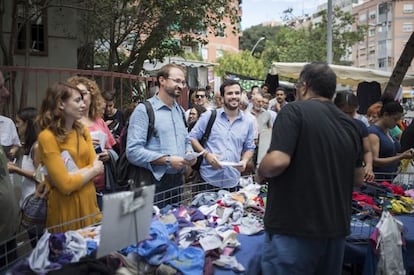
(168, 190)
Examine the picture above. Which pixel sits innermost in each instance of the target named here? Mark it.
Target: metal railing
(27, 85)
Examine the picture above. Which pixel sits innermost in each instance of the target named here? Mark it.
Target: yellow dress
(68, 200)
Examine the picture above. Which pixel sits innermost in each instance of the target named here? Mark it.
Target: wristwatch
(168, 161)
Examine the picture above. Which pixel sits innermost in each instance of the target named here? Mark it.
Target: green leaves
(286, 44)
(242, 63)
(157, 25)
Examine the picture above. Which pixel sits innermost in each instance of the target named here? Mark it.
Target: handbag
(34, 209)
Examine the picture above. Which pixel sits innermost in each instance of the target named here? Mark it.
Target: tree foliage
(307, 44)
(153, 29)
(253, 34)
(241, 63)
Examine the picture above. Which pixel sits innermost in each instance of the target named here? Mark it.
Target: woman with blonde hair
(66, 151)
(93, 119)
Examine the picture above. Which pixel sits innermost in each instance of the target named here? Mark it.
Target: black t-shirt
(312, 197)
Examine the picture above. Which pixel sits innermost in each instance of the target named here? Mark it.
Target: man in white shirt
(9, 138)
(279, 101)
(266, 99)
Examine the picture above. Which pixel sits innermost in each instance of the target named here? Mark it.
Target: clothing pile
(182, 239)
(374, 197)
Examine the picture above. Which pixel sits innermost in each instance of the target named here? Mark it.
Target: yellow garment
(404, 165)
(67, 198)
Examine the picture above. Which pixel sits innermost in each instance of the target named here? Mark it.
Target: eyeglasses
(200, 96)
(178, 81)
(298, 85)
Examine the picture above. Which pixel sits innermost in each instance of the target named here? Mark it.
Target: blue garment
(158, 248)
(190, 261)
(169, 138)
(387, 148)
(228, 141)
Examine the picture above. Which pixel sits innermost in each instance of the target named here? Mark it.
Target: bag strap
(206, 134)
(151, 119)
(183, 114)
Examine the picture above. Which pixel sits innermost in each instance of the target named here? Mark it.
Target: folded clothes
(229, 262)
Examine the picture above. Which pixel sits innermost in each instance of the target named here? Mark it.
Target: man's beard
(172, 93)
(229, 107)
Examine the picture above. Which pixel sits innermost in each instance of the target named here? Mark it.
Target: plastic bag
(389, 245)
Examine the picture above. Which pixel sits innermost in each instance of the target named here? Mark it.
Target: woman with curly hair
(92, 118)
(71, 192)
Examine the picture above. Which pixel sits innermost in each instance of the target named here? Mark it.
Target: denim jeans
(293, 255)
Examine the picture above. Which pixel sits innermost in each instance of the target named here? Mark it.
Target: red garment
(396, 190)
(362, 197)
(101, 126)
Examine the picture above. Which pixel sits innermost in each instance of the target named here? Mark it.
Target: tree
(242, 63)
(252, 35)
(148, 29)
(153, 29)
(309, 44)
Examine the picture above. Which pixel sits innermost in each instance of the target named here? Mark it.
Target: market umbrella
(346, 75)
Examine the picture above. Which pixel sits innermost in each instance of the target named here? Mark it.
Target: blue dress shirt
(169, 138)
(228, 141)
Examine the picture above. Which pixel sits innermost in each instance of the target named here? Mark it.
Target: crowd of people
(320, 148)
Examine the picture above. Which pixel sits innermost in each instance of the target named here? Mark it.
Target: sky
(256, 12)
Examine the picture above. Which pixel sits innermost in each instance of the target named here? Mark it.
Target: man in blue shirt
(231, 142)
(163, 154)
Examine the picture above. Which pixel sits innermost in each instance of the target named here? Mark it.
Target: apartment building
(390, 24)
(220, 42)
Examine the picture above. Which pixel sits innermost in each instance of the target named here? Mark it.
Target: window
(408, 8)
(220, 31)
(382, 9)
(371, 32)
(372, 15)
(390, 61)
(407, 27)
(34, 17)
(382, 46)
(204, 53)
(187, 49)
(219, 53)
(381, 63)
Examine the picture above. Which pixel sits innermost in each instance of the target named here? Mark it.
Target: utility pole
(329, 56)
